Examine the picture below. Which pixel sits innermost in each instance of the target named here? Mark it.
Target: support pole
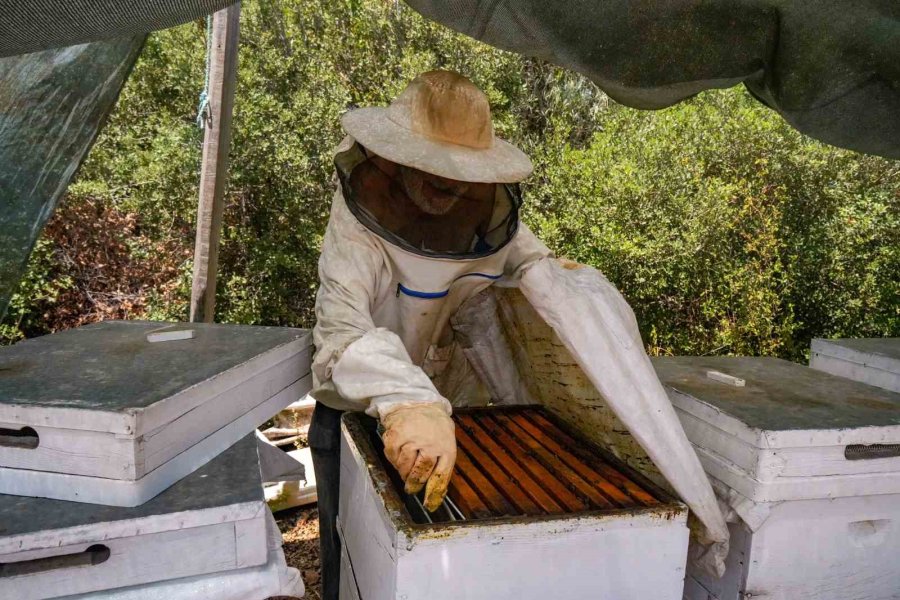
(214, 165)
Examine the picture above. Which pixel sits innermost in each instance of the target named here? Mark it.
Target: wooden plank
(526, 431)
(486, 488)
(501, 444)
(466, 498)
(597, 490)
(214, 165)
(557, 440)
(522, 489)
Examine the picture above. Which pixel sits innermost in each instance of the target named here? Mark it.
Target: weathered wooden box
(211, 521)
(873, 361)
(534, 512)
(101, 415)
(811, 464)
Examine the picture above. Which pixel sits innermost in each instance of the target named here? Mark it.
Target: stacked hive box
(875, 361)
(534, 512)
(128, 463)
(810, 464)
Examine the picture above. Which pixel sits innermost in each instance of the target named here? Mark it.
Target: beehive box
(272, 579)
(533, 512)
(872, 361)
(812, 461)
(791, 433)
(211, 521)
(101, 415)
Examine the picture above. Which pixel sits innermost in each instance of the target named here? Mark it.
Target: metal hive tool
(517, 461)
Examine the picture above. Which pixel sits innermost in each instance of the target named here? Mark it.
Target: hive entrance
(518, 461)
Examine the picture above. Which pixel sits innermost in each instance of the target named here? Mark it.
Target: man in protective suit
(426, 217)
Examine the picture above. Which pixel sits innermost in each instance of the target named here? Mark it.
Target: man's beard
(429, 196)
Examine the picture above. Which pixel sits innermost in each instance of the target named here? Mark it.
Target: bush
(727, 231)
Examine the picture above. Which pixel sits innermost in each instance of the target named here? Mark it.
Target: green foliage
(728, 231)
(39, 288)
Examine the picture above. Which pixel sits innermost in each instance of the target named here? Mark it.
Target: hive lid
(228, 488)
(782, 404)
(880, 353)
(108, 377)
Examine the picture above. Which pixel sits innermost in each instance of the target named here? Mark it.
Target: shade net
(52, 105)
(31, 25)
(830, 68)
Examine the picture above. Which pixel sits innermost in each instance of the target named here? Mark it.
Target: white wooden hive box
(213, 520)
(825, 549)
(101, 415)
(791, 432)
(874, 361)
(524, 520)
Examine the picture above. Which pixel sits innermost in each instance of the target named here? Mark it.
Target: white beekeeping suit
(384, 308)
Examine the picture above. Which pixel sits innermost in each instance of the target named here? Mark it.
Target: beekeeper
(425, 217)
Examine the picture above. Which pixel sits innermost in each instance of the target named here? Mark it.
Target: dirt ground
(300, 532)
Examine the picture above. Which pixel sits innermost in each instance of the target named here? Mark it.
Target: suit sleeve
(357, 364)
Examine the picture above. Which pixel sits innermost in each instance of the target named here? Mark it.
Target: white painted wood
(166, 441)
(213, 520)
(170, 335)
(370, 536)
(290, 494)
(272, 579)
(779, 439)
(90, 533)
(870, 361)
(102, 454)
(348, 589)
(841, 549)
(139, 421)
(726, 378)
(768, 464)
(123, 448)
(624, 555)
(169, 409)
(796, 488)
(799, 443)
(136, 560)
(94, 453)
(600, 558)
(121, 492)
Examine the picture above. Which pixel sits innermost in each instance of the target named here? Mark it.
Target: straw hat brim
(501, 163)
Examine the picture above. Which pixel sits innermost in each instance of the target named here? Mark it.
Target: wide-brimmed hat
(440, 124)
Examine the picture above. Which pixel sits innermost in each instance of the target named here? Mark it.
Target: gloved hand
(420, 442)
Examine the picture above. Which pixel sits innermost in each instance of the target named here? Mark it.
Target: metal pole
(214, 165)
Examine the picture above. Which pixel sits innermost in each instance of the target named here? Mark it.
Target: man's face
(433, 194)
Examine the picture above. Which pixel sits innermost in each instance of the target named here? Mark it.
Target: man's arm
(370, 367)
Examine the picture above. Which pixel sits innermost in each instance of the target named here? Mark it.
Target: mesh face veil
(426, 214)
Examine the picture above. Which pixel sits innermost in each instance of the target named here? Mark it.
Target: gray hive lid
(882, 352)
(108, 377)
(782, 404)
(875, 361)
(228, 488)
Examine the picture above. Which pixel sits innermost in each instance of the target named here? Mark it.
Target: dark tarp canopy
(52, 105)
(831, 68)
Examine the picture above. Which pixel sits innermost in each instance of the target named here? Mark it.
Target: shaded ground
(300, 532)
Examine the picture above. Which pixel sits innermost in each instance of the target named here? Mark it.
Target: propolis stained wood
(544, 514)
(535, 466)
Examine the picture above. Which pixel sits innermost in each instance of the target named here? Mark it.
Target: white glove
(420, 442)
